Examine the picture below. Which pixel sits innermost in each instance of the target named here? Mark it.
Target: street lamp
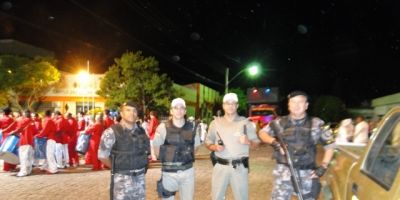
(83, 78)
(252, 70)
(87, 86)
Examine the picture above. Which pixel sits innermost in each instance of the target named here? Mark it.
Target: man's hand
(244, 140)
(13, 133)
(319, 172)
(276, 146)
(218, 147)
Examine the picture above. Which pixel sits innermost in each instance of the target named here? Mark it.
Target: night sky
(346, 48)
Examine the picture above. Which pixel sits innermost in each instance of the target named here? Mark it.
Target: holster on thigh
(162, 192)
(315, 189)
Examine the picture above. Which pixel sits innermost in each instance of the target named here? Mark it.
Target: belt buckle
(136, 171)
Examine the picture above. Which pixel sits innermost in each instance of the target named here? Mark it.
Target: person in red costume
(49, 132)
(151, 129)
(81, 122)
(108, 121)
(95, 130)
(71, 131)
(62, 138)
(25, 130)
(7, 124)
(38, 121)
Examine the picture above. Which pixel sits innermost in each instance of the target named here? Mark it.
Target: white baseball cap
(230, 97)
(178, 101)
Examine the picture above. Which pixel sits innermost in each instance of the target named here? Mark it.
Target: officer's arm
(106, 143)
(264, 136)
(211, 138)
(327, 157)
(252, 135)
(160, 134)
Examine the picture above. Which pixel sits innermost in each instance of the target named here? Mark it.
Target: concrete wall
(383, 104)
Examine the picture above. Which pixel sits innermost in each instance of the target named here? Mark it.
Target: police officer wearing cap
(230, 137)
(301, 134)
(177, 140)
(125, 147)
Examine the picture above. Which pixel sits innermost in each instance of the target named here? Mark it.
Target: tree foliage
(137, 78)
(329, 108)
(26, 78)
(242, 110)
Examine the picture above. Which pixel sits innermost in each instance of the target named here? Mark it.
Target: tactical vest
(299, 141)
(130, 149)
(178, 147)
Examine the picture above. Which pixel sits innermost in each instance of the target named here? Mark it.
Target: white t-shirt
(361, 132)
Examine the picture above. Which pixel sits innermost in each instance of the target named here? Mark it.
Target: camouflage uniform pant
(283, 188)
(129, 187)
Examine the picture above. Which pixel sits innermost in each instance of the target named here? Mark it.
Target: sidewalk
(82, 183)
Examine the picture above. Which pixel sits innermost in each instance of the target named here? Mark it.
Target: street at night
(89, 86)
(82, 183)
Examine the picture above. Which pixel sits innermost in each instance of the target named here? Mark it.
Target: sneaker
(21, 175)
(50, 173)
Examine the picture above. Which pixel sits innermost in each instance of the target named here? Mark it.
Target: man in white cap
(177, 140)
(230, 137)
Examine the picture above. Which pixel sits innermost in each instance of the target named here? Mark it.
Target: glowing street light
(86, 83)
(83, 76)
(252, 71)
(83, 80)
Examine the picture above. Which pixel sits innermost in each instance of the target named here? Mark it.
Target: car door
(377, 176)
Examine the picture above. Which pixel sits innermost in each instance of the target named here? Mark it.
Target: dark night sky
(345, 48)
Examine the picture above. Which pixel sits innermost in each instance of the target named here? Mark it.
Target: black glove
(320, 171)
(276, 146)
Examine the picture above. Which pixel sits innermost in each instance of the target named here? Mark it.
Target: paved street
(82, 183)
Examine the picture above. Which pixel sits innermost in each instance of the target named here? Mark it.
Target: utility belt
(174, 167)
(301, 167)
(134, 172)
(235, 162)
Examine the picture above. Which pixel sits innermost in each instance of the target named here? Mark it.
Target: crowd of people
(128, 144)
(357, 132)
(50, 143)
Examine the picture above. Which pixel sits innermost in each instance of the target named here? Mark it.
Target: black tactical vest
(297, 135)
(130, 149)
(179, 144)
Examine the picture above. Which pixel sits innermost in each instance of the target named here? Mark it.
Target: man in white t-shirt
(360, 130)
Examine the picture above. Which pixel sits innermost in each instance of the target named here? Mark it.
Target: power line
(50, 31)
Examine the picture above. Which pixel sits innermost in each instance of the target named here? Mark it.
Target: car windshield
(262, 112)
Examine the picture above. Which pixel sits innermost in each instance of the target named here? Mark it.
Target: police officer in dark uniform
(177, 140)
(300, 133)
(125, 148)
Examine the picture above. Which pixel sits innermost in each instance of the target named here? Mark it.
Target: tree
(135, 77)
(242, 110)
(26, 80)
(329, 108)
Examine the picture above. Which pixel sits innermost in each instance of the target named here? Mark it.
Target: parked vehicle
(262, 114)
(369, 171)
